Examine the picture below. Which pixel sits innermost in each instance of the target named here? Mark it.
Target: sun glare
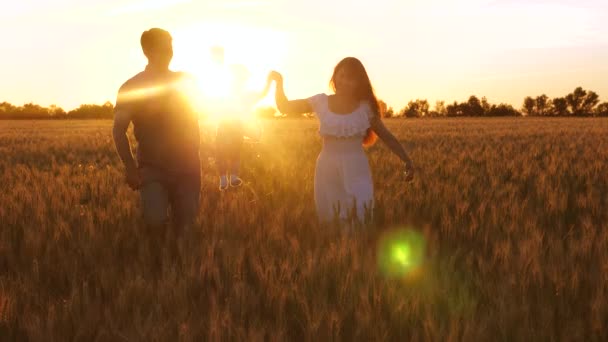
(257, 50)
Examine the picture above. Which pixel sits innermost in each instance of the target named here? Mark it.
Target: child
(230, 133)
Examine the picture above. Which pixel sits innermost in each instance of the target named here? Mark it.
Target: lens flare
(400, 252)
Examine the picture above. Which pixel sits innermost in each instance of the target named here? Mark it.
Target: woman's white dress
(343, 180)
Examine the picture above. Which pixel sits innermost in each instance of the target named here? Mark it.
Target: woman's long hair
(364, 91)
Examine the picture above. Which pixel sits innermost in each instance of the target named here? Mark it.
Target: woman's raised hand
(275, 76)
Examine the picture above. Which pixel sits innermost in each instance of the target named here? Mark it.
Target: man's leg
(155, 203)
(185, 205)
(185, 200)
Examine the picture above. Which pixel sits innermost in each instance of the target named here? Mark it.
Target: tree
(57, 112)
(416, 109)
(6, 110)
(33, 111)
(91, 111)
(473, 107)
(575, 100)
(439, 110)
(386, 111)
(6, 107)
(485, 105)
(582, 102)
(455, 109)
(503, 110)
(560, 106)
(591, 100)
(543, 105)
(529, 107)
(602, 109)
(382, 106)
(30, 111)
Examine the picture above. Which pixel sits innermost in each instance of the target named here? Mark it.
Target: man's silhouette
(167, 171)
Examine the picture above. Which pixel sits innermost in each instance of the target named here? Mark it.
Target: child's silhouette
(230, 133)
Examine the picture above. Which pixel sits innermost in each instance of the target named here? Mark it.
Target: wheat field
(513, 213)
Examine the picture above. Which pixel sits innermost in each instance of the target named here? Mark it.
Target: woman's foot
(223, 183)
(235, 181)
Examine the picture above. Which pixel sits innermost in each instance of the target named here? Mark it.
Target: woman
(348, 120)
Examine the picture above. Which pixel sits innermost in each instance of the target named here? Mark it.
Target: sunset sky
(69, 52)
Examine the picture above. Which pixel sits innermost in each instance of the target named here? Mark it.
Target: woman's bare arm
(284, 105)
(393, 144)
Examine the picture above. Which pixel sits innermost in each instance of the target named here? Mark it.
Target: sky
(70, 52)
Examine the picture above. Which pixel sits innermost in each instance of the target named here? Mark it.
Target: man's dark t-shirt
(165, 124)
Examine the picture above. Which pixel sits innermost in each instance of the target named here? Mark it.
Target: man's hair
(154, 37)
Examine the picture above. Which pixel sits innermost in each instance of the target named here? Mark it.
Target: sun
(258, 50)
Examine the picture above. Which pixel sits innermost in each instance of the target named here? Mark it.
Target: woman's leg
(328, 188)
(359, 186)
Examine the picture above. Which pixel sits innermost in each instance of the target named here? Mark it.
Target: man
(167, 171)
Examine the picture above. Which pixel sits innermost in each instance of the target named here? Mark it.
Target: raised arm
(285, 106)
(393, 144)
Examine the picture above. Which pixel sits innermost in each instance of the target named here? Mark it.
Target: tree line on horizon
(579, 103)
